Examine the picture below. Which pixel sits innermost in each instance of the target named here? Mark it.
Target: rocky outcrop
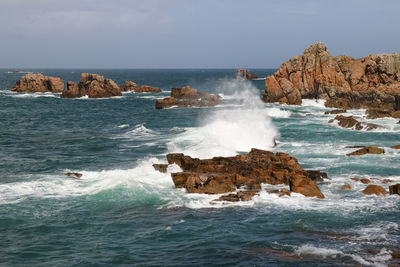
(161, 167)
(225, 174)
(351, 123)
(396, 147)
(36, 82)
(245, 74)
(345, 82)
(394, 189)
(132, 86)
(93, 86)
(187, 97)
(367, 150)
(335, 111)
(375, 190)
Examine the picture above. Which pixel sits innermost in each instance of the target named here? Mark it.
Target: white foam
(122, 126)
(319, 251)
(278, 113)
(33, 95)
(227, 131)
(319, 103)
(138, 131)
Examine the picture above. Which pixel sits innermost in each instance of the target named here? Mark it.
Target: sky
(189, 33)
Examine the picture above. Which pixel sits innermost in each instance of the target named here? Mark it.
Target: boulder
(132, 86)
(346, 187)
(93, 86)
(367, 150)
(245, 74)
(394, 189)
(36, 82)
(187, 97)
(374, 190)
(224, 174)
(365, 181)
(352, 123)
(372, 82)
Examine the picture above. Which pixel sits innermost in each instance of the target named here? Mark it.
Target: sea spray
(231, 130)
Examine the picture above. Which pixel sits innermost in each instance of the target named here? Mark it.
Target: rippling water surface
(124, 212)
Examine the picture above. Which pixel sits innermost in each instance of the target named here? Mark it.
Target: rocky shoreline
(372, 82)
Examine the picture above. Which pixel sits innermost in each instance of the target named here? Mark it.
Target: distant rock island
(372, 82)
(245, 74)
(187, 97)
(39, 83)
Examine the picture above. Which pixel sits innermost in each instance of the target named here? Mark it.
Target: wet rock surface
(351, 123)
(226, 174)
(375, 190)
(367, 150)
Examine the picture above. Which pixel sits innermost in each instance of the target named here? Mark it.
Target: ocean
(122, 211)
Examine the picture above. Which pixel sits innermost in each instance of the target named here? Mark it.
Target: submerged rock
(335, 111)
(245, 74)
(346, 187)
(36, 82)
(351, 123)
(367, 150)
(93, 86)
(345, 82)
(76, 175)
(187, 97)
(224, 174)
(132, 86)
(375, 190)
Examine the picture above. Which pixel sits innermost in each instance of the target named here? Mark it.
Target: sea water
(122, 211)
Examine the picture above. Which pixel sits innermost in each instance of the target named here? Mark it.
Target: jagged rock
(187, 97)
(92, 85)
(335, 111)
(245, 74)
(281, 192)
(238, 196)
(346, 187)
(369, 82)
(375, 113)
(394, 189)
(75, 175)
(375, 190)
(352, 123)
(161, 167)
(36, 82)
(132, 86)
(367, 150)
(223, 174)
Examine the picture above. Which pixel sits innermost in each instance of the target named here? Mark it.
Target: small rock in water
(160, 167)
(394, 189)
(346, 187)
(375, 190)
(396, 147)
(335, 111)
(75, 175)
(367, 150)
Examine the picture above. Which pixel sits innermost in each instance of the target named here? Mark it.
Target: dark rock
(75, 175)
(336, 111)
(396, 147)
(160, 167)
(32, 82)
(352, 123)
(316, 176)
(394, 189)
(367, 150)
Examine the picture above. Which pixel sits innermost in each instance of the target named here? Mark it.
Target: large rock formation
(225, 174)
(132, 86)
(36, 82)
(345, 82)
(92, 85)
(245, 74)
(187, 97)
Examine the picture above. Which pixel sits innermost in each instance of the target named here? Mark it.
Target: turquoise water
(124, 212)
